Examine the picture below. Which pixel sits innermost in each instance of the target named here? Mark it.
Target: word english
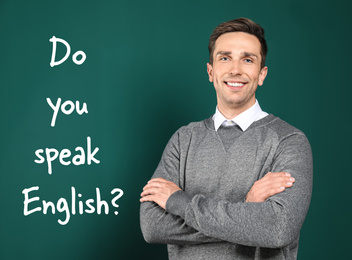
(89, 206)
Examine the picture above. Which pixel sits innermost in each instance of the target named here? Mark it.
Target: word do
(68, 51)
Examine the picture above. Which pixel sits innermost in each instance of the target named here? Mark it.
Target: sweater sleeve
(158, 225)
(274, 223)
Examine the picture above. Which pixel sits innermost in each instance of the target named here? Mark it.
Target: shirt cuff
(177, 203)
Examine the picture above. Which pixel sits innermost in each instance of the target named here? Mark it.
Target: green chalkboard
(142, 76)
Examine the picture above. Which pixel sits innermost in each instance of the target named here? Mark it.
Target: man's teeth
(235, 84)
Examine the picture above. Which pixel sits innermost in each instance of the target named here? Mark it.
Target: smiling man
(238, 184)
(236, 72)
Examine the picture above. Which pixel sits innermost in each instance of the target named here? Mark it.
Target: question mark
(113, 201)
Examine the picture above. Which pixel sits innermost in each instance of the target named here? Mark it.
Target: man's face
(236, 71)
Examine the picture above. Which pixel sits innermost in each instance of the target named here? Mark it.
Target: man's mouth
(235, 84)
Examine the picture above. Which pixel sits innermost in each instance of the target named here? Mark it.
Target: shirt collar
(243, 120)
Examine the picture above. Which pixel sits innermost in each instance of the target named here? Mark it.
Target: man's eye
(224, 58)
(248, 60)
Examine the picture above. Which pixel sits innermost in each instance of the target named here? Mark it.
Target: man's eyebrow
(243, 54)
(223, 53)
(249, 54)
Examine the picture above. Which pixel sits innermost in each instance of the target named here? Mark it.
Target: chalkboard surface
(83, 126)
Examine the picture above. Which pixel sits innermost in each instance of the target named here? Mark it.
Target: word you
(68, 51)
(88, 206)
(71, 106)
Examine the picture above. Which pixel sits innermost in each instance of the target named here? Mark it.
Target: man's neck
(232, 112)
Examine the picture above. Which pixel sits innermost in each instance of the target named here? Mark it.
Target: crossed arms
(159, 190)
(268, 218)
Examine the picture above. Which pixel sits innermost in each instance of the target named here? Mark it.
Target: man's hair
(239, 25)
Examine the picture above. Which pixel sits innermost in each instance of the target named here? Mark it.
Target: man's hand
(158, 190)
(271, 184)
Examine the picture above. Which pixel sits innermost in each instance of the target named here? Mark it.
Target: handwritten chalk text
(88, 206)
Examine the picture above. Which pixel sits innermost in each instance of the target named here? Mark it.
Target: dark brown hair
(239, 25)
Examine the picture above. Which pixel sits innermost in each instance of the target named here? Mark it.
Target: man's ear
(262, 75)
(210, 72)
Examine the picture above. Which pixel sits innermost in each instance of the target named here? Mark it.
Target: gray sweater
(209, 218)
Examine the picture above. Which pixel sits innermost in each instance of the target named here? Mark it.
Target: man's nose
(235, 68)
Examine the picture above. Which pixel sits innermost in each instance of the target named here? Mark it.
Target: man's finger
(274, 179)
(158, 180)
(270, 192)
(272, 183)
(153, 184)
(278, 174)
(276, 185)
(149, 191)
(148, 198)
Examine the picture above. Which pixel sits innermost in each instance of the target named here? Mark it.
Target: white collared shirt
(243, 120)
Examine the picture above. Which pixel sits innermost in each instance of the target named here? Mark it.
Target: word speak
(89, 206)
(68, 51)
(51, 154)
(64, 105)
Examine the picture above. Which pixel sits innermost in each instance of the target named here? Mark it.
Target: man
(236, 185)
